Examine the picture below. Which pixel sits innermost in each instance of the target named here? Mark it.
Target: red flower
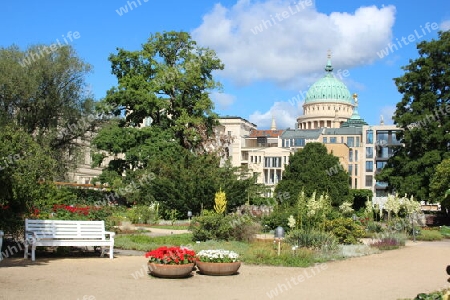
(171, 255)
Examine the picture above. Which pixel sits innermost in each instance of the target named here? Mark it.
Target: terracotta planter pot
(170, 271)
(218, 269)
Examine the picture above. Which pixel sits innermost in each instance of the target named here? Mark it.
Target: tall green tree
(168, 83)
(424, 114)
(44, 93)
(313, 169)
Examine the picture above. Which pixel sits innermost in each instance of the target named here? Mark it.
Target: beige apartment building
(330, 117)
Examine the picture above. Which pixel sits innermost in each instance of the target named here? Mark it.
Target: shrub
(429, 235)
(244, 228)
(212, 226)
(314, 239)
(374, 227)
(445, 231)
(345, 230)
(389, 241)
(142, 214)
(279, 217)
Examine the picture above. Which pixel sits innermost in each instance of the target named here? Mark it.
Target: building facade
(330, 117)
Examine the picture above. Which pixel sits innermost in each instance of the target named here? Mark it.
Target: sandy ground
(418, 267)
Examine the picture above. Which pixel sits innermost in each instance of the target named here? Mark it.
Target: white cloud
(292, 43)
(445, 25)
(285, 115)
(222, 101)
(388, 112)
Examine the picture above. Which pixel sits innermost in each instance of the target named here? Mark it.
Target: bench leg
(33, 249)
(25, 250)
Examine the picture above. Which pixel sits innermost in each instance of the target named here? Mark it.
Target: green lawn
(258, 252)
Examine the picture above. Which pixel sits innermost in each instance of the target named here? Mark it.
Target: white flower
(291, 221)
(219, 255)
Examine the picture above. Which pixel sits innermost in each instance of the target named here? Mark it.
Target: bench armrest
(32, 233)
(111, 234)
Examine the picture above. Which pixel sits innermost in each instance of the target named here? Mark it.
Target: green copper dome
(328, 89)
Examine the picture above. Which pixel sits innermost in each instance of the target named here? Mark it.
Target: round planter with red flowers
(170, 271)
(171, 262)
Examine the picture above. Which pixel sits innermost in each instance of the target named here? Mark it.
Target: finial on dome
(355, 98)
(328, 67)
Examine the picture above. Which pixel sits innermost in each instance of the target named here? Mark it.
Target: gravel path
(418, 267)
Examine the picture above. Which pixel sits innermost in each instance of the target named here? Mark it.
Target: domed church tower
(328, 103)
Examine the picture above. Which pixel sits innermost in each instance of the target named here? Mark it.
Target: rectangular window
(369, 136)
(369, 166)
(395, 141)
(356, 170)
(272, 162)
(299, 142)
(369, 180)
(382, 137)
(342, 139)
(324, 140)
(380, 165)
(350, 141)
(350, 170)
(350, 155)
(357, 141)
(356, 155)
(369, 152)
(383, 152)
(333, 140)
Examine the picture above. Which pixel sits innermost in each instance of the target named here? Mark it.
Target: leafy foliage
(47, 99)
(360, 197)
(307, 171)
(345, 230)
(424, 114)
(440, 183)
(213, 226)
(24, 164)
(313, 239)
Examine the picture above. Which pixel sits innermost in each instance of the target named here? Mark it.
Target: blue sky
(273, 50)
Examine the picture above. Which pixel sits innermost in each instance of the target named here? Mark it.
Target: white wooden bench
(1, 243)
(57, 233)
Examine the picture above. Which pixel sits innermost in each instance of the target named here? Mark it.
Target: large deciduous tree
(424, 114)
(169, 81)
(313, 169)
(166, 86)
(44, 93)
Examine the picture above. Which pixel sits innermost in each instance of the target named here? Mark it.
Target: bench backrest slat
(62, 229)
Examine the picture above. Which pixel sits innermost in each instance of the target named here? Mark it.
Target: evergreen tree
(313, 169)
(424, 114)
